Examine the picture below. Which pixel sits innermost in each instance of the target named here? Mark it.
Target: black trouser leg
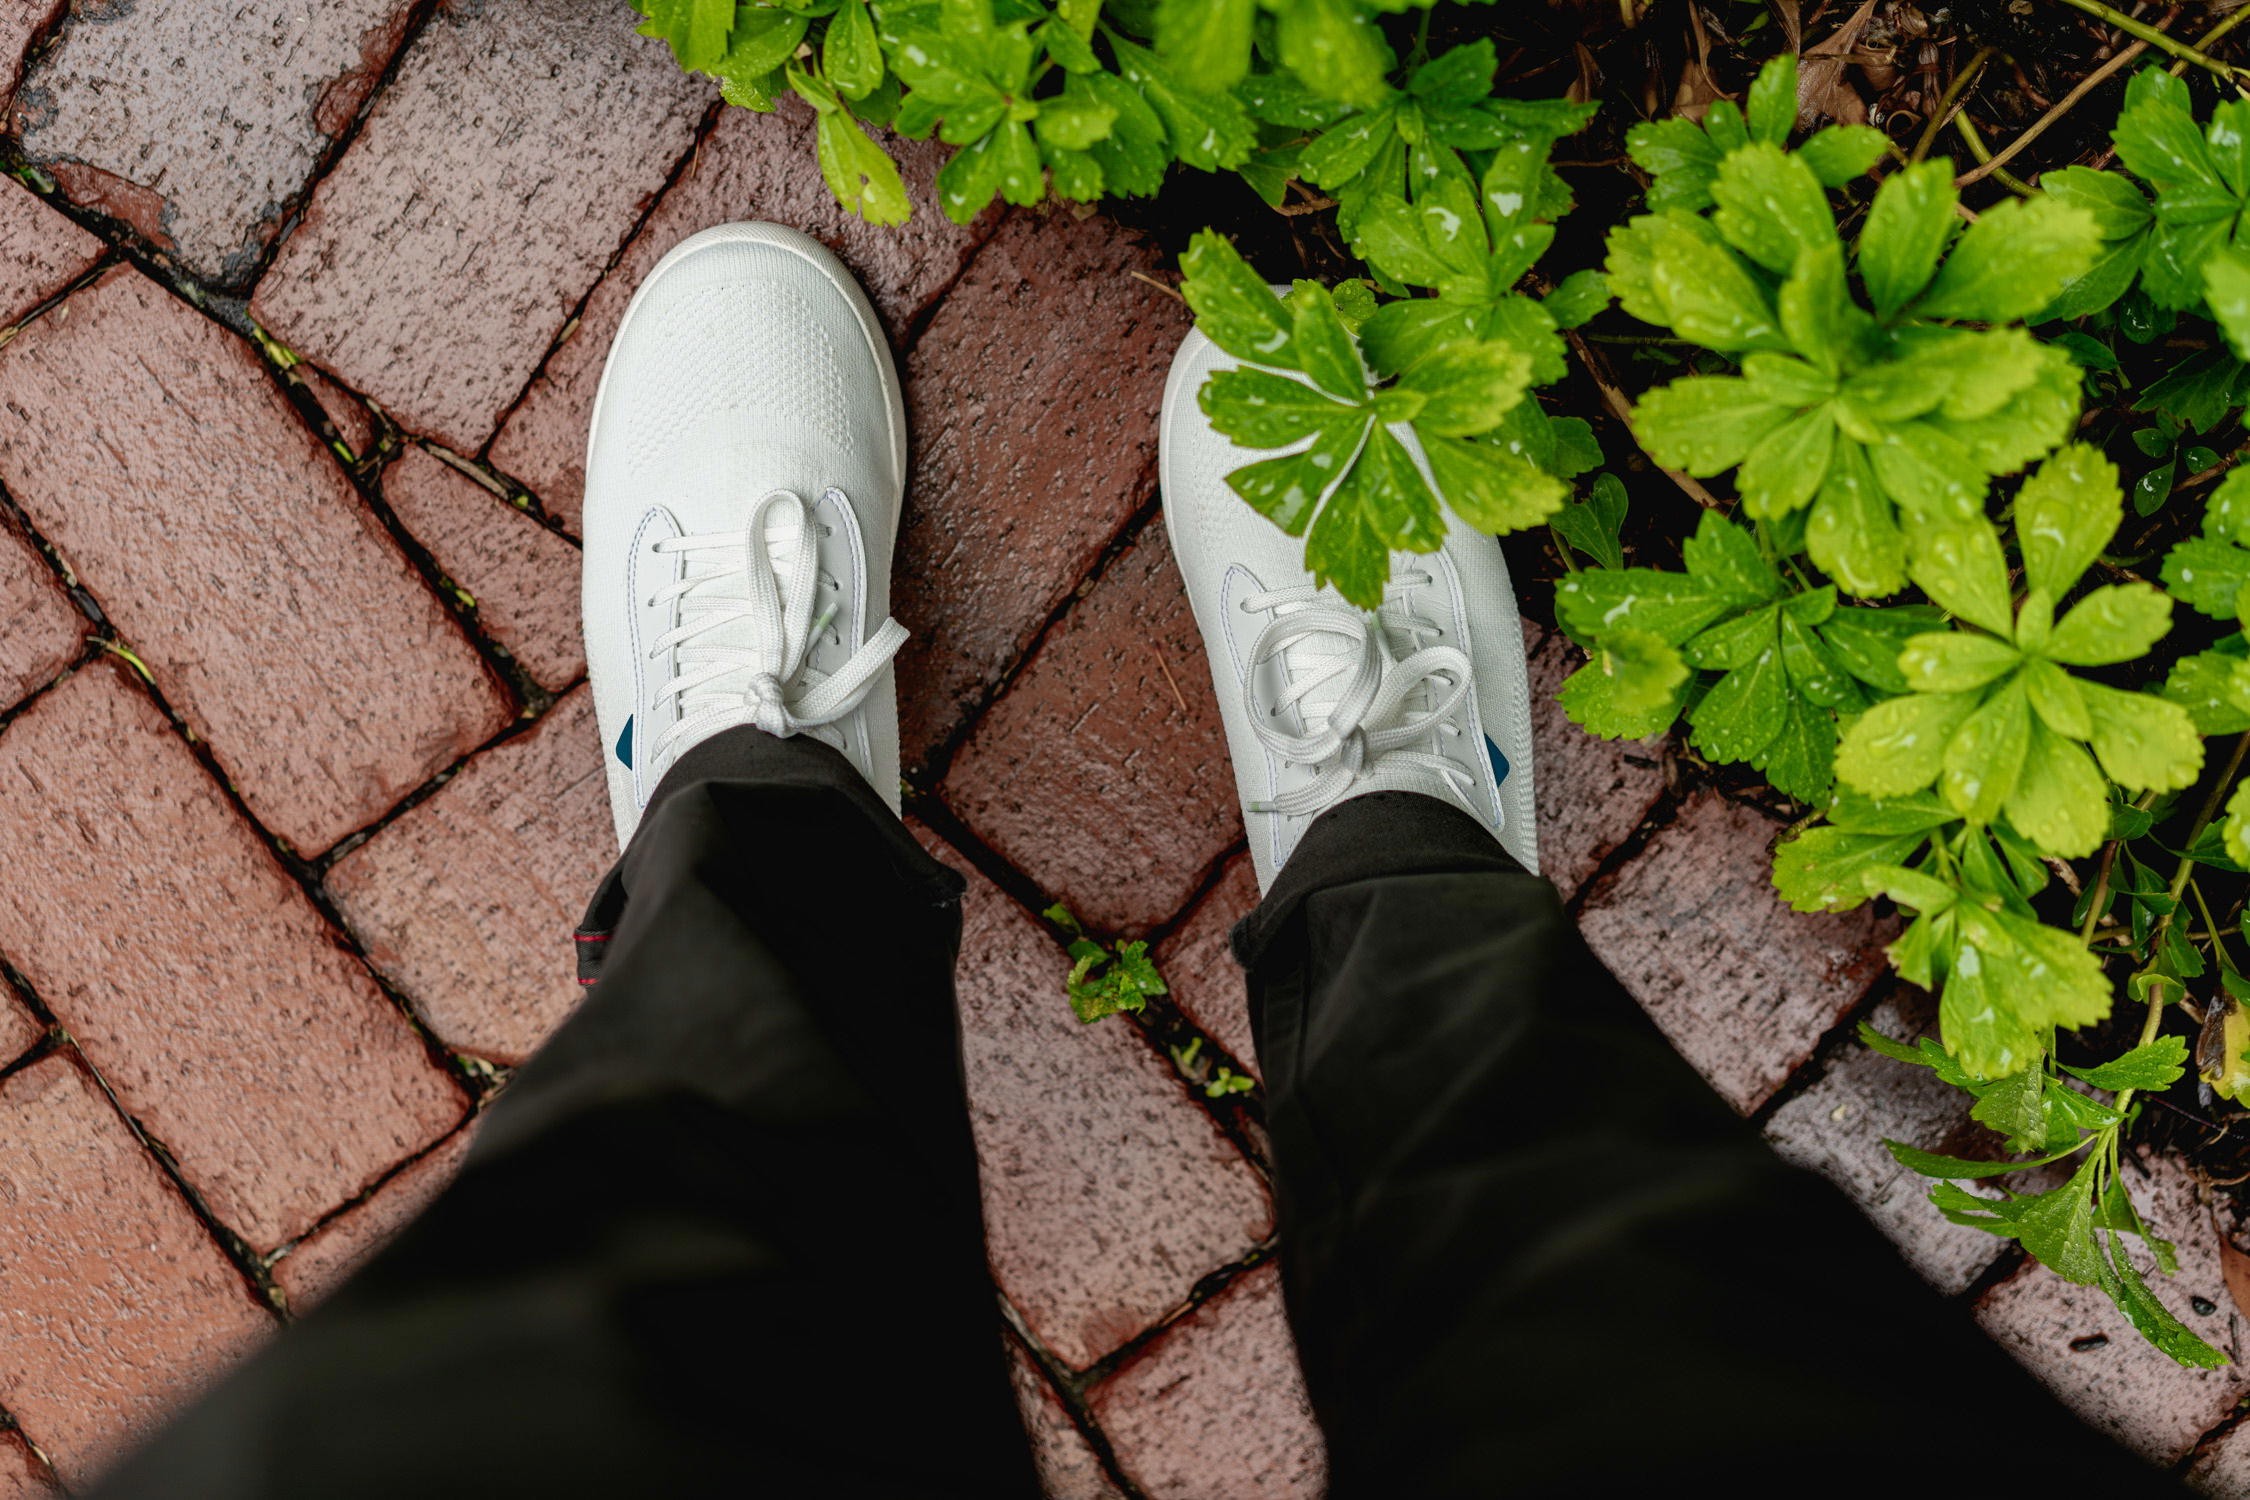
(1527, 1251)
(722, 1236)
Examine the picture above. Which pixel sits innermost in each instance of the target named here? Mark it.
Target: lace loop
(1382, 710)
(744, 629)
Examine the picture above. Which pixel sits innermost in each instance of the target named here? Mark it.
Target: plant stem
(2063, 106)
(2211, 36)
(2211, 928)
(1968, 133)
(2112, 16)
(1954, 93)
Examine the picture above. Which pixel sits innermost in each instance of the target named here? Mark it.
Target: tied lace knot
(768, 705)
(1362, 707)
(745, 630)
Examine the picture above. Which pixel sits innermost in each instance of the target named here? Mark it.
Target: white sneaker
(1323, 701)
(744, 477)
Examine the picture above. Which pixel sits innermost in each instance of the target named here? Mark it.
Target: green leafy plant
(1104, 981)
(1908, 617)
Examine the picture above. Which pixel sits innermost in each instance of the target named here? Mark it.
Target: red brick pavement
(288, 895)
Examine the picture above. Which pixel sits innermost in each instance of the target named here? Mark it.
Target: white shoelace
(758, 674)
(1360, 706)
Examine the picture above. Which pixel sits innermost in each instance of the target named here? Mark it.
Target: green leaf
(2058, 1228)
(1929, 1164)
(1288, 489)
(763, 42)
(1745, 709)
(1492, 489)
(2008, 980)
(1960, 566)
(2226, 286)
(1671, 606)
(2114, 624)
(2144, 742)
(1233, 305)
(1986, 754)
(1468, 387)
(2016, 1107)
(1786, 469)
(2012, 261)
(1696, 286)
(1851, 534)
(1578, 297)
(2207, 575)
(1076, 118)
(2065, 514)
(1134, 155)
(1210, 131)
(1324, 347)
(1840, 153)
(1955, 661)
(1771, 105)
(697, 30)
(1262, 409)
(1771, 207)
(1822, 869)
(1592, 525)
(1907, 230)
(1898, 746)
(1335, 48)
(1705, 424)
(2155, 1321)
(1207, 42)
(2055, 697)
(858, 170)
(1630, 688)
(2060, 801)
(2152, 1066)
(850, 55)
(2214, 687)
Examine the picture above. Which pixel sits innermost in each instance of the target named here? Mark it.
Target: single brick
(22, 1477)
(488, 962)
(279, 618)
(328, 1256)
(40, 630)
(2223, 1467)
(1032, 398)
(20, 21)
(201, 983)
(1837, 1128)
(1108, 1193)
(41, 252)
(2075, 1339)
(19, 1028)
(1068, 1467)
(199, 123)
(508, 159)
(1744, 987)
(1592, 793)
(522, 577)
(750, 166)
(114, 1301)
(1219, 1393)
(1102, 772)
(1199, 967)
